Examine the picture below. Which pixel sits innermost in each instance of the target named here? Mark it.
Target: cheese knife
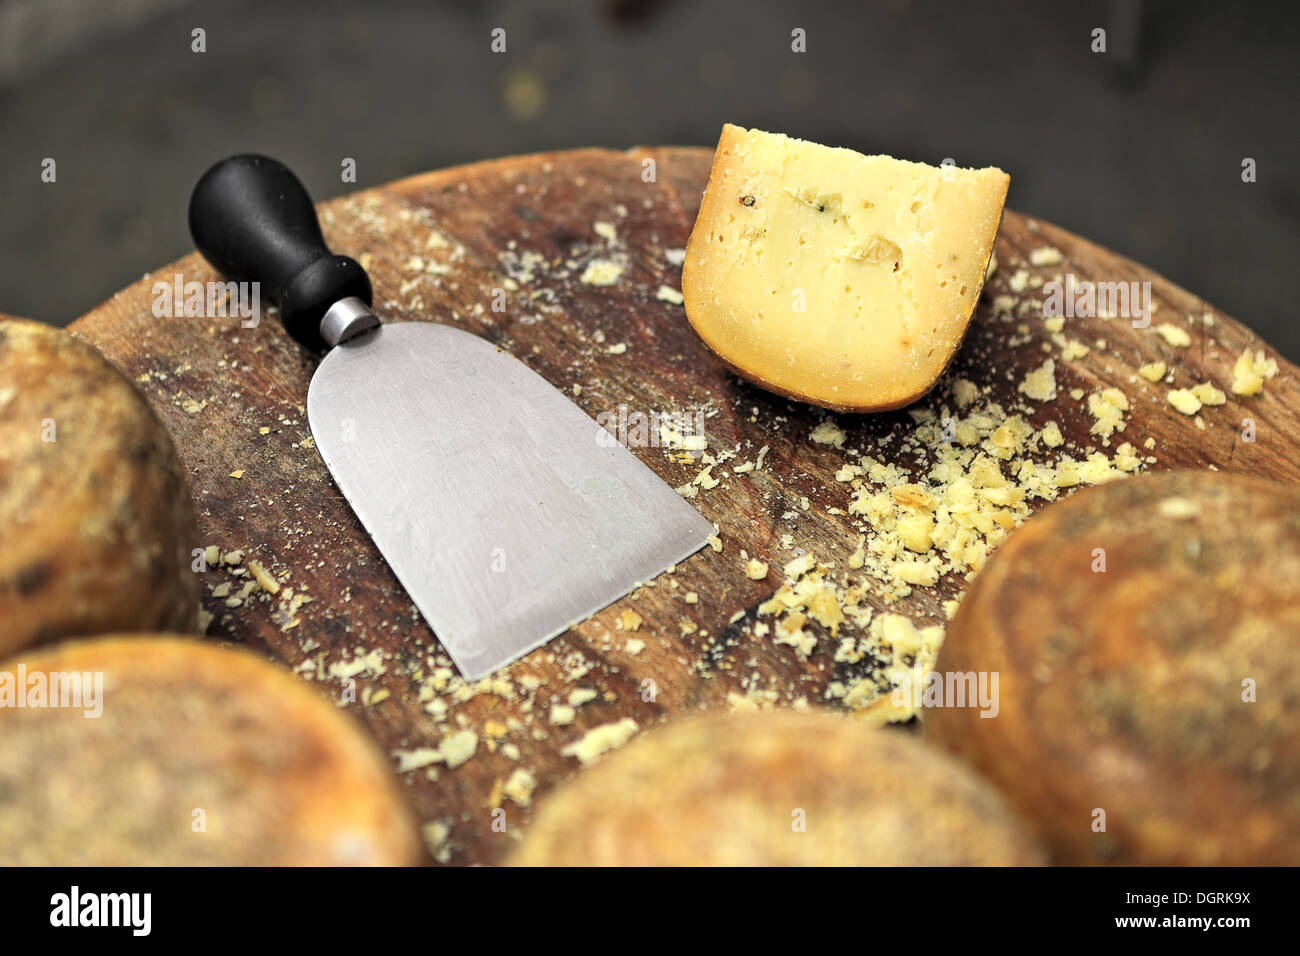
(505, 511)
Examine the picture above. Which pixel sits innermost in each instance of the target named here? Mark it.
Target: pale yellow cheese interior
(840, 279)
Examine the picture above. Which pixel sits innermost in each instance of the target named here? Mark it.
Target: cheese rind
(835, 278)
(194, 755)
(720, 790)
(95, 514)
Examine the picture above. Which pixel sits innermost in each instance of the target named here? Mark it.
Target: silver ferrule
(346, 319)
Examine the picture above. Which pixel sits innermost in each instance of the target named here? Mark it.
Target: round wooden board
(437, 246)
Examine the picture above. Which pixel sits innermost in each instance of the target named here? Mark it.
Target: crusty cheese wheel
(835, 278)
(95, 514)
(191, 754)
(779, 788)
(1146, 634)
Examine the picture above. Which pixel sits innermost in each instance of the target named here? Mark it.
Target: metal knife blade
(507, 513)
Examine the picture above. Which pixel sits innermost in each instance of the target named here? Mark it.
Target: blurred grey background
(1139, 149)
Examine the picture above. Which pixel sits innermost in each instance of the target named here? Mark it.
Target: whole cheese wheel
(1146, 634)
(775, 788)
(95, 514)
(190, 754)
(836, 278)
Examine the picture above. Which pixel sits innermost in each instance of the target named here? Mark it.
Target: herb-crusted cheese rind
(719, 790)
(95, 514)
(184, 732)
(836, 278)
(1121, 684)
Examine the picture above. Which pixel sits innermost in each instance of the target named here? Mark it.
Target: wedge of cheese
(835, 278)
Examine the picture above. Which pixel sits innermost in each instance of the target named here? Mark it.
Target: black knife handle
(254, 222)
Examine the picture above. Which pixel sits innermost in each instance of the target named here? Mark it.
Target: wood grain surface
(437, 246)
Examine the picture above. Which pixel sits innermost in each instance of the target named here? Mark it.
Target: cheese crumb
(1153, 371)
(457, 748)
(828, 433)
(1251, 372)
(1184, 400)
(1107, 408)
(1175, 336)
(914, 531)
(601, 272)
(1045, 256)
(417, 759)
(1207, 394)
(263, 578)
(916, 572)
(671, 438)
(600, 740)
(667, 293)
(964, 391)
(437, 837)
(799, 566)
(520, 785)
(1040, 384)
(756, 569)
(581, 695)
(1073, 350)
